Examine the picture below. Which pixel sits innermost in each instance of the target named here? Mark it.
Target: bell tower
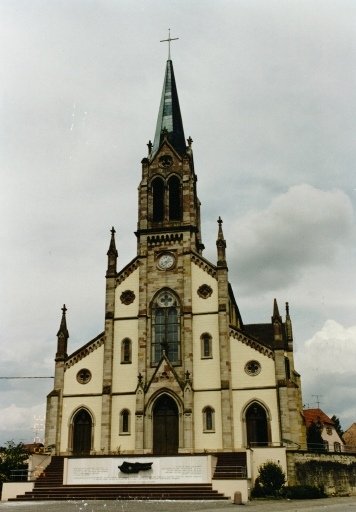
(168, 204)
(168, 236)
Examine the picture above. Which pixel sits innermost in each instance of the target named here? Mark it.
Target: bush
(303, 492)
(258, 491)
(269, 481)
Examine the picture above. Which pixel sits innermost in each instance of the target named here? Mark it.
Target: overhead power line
(26, 377)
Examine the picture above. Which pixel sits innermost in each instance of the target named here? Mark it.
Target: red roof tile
(315, 415)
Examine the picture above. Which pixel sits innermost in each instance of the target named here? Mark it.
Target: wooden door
(165, 426)
(82, 433)
(256, 425)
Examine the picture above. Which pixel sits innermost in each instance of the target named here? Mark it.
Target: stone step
(230, 466)
(154, 491)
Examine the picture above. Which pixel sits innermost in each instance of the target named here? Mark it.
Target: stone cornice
(80, 354)
(237, 335)
(128, 270)
(204, 265)
(166, 239)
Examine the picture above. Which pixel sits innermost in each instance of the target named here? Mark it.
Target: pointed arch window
(208, 419)
(125, 422)
(206, 346)
(158, 200)
(166, 328)
(174, 198)
(126, 357)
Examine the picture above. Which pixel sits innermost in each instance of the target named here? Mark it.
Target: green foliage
(12, 456)
(269, 481)
(314, 440)
(258, 491)
(303, 492)
(338, 427)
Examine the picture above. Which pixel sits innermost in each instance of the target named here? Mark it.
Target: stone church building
(176, 370)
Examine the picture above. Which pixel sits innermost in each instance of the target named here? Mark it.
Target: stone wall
(335, 472)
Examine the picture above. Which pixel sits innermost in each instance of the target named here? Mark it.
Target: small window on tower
(158, 200)
(126, 351)
(206, 346)
(174, 198)
(125, 422)
(208, 419)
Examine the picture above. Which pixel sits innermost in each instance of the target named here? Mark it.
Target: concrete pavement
(325, 505)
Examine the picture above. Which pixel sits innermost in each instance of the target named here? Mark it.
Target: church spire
(169, 121)
(277, 326)
(62, 336)
(289, 331)
(221, 245)
(112, 256)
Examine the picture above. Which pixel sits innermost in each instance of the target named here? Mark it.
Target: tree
(271, 477)
(338, 427)
(12, 456)
(314, 440)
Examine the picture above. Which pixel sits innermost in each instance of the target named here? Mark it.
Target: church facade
(176, 370)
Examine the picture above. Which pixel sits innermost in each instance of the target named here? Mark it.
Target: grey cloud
(305, 227)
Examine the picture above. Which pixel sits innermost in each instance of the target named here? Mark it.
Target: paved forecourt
(327, 505)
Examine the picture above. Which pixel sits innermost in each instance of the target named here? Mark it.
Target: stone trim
(128, 270)
(205, 291)
(252, 343)
(165, 239)
(204, 265)
(127, 297)
(85, 351)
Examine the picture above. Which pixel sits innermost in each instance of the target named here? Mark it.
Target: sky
(267, 93)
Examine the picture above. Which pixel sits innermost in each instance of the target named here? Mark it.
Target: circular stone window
(83, 376)
(252, 368)
(204, 291)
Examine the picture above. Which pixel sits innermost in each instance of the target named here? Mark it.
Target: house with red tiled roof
(349, 438)
(329, 434)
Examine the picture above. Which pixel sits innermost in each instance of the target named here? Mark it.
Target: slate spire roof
(169, 121)
(63, 327)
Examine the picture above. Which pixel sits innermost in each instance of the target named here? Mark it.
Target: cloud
(305, 227)
(327, 364)
(21, 423)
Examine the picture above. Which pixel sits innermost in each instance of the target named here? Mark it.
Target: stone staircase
(49, 486)
(230, 466)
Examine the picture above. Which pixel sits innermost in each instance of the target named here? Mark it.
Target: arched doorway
(165, 426)
(256, 425)
(82, 433)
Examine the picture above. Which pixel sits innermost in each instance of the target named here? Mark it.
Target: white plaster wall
(125, 374)
(206, 372)
(261, 455)
(229, 487)
(199, 277)
(242, 354)
(94, 363)
(123, 442)
(70, 406)
(241, 399)
(207, 440)
(12, 489)
(331, 438)
(130, 283)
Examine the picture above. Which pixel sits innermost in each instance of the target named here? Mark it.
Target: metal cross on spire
(169, 42)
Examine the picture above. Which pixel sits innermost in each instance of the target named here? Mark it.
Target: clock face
(166, 261)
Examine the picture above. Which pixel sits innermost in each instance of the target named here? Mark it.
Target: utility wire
(26, 377)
